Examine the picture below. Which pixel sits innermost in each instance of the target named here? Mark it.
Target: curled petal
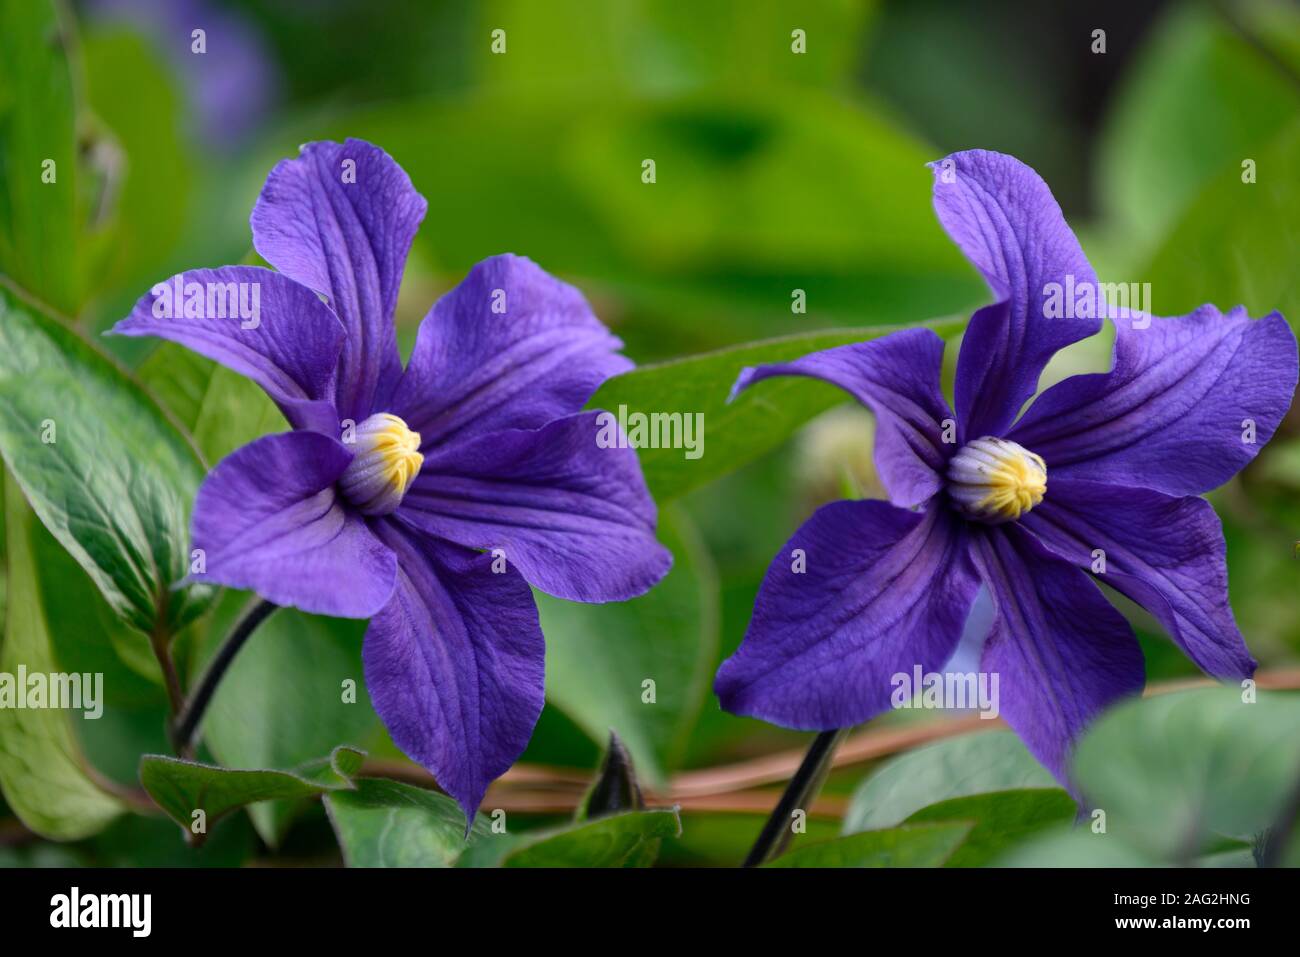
(267, 519)
(1189, 401)
(570, 513)
(340, 219)
(897, 377)
(1062, 654)
(1166, 553)
(454, 663)
(288, 343)
(863, 592)
(511, 347)
(1004, 218)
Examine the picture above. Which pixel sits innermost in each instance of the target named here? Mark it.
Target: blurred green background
(775, 171)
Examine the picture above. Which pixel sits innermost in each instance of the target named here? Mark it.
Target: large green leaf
(1001, 819)
(390, 824)
(952, 768)
(735, 432)
(105, 470)
(1237, 242)
(1174, 772)
(913, 845)
(599, 656)
(38, 219)
(620, 840)
(43, 775)
(182, 788)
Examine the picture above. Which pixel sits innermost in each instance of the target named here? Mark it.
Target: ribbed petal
(1166, 553)
(290, 347)
(1061, 652)
(454, 663)
(573, 517)
(882, 591)
(511, 347)
(1004, 218)
(897, 377)
(1190, 400)
(267, 519)
(340, 219)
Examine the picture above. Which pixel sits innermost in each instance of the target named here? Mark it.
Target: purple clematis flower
(426, 499)
(1102, 468)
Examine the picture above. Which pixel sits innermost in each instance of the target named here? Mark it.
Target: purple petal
(454, 663)
(897, 377)
(883, 591)
(573, 517)
(1173, 413)
(1165, 553)
(511, 347)
(1061, 652)
(340, 219)
(267, 519)
(267, 327)
(1003, 217)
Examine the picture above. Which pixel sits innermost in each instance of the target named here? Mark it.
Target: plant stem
(191, 715)
(159, 641)
(801, 790)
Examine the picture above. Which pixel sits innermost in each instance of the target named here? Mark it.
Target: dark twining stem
(191, 715)
(799, 793)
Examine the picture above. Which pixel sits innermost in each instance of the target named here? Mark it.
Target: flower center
(993, 480)
(386, 459)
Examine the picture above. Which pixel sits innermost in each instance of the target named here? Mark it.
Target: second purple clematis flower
(1100, 476)
(428, 498)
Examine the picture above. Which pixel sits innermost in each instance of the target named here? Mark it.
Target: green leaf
(1198, 100)
(222, 410)
(389, 824)
(105, 470)
(952, 768)
(1177, 771)
(1236, 244)
(1076, 847)
(615, 787)
(912, 845)
(260, 719)
(668, 636)
(43, 775)
(620, 840)
(38, 219)
(182, 787)
(1000, 820)
(735, 433)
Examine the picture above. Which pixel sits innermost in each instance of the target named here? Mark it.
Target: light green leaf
(105, 470)
(1076, 847)
(390, 824)
(912, 845)
(283, 699)
(1177, 771)
(1000, 820)
(182, 787)
(955, 767)
(619, 840)
(738, 432)
(38, 219)
(1197, 101)
(598, 656)
(1237, 242)
(43, 775)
